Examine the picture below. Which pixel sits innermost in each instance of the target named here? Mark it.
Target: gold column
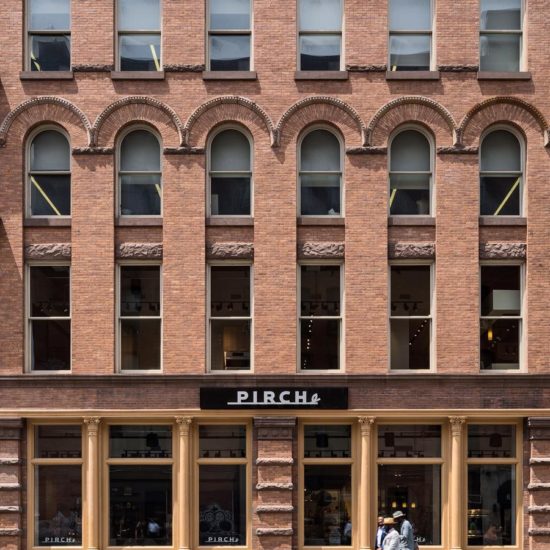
(365, 476)
(457, 423)
(92, 482)
(184, 488)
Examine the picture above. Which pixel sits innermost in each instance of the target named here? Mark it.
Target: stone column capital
(366, 423)
(92, 423)
(184, 425)
(456, 424)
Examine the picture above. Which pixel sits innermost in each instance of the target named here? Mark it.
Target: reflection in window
(491, 441)
(140, 441)
(328, 441)
(409, 441)
(53, 441)
(222, 441)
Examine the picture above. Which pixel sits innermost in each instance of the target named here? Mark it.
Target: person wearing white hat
(405, 531)
(392, 539)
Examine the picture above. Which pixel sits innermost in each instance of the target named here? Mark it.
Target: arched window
(410, 174)
(320, 174)
(230, 174)
(49, 178)
(140, 177)
(501, 174)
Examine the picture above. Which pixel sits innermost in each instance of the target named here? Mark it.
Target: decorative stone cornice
(10, 509)
(532, 487)
(10, 532)
(48, 251)
(457, 150)
(93, 151)
(539, 461)
(539, 532)
(149, 251)
(367, 151)
(229, 250)
(489, 251)
(89, 68)
(458, 68)
(10, 486)
(274, 508)
(184, 425)
(92, 424)
(274, 461)
(456, 422)
(274, 532)
(321, 249)
(275, 427)
(373, 68)
(539, 428)
(538, 509)
(171, 68)
(366, 424)
(10, 461)
(425, 250)
(275, 486)
(184, 150)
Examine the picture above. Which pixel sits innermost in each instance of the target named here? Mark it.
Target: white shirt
(391, 542)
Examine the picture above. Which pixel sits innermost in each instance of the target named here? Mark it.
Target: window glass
(410, 152)
(500, 14)
(408, 441)
(327, 441)
(320, 15)
(140, 52)
(57, 442)
(50, 53)
(491, 441)
(410, 290)
(500, 152)
(410, 52)
(500, 290)
(50, 291)
(320, 152)
(141, 15)
(230, 291)
(320, 290)
(139, 290)
(49, 15)
(230, 52)
(499, 344)
(230, 152)
(500, 52)
(410, 15)
(229, 14)
(222, 441)
(320, 52)
(140, 441)
(50, 152)
(230, 196)
(140, 152)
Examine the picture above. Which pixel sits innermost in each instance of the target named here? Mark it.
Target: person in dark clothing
(381, 533)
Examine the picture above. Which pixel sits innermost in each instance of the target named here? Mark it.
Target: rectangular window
(49, 35)
(492, 485)
(410, 317)
(410, 40)
(139, 36)
(56, 461)
(230, 35)
(140, 317)
(327, 465)
(222, 462)
(230, 317)
(320, 317)
(500, 37)
(501, 317)
(320, 35)
(49, 317)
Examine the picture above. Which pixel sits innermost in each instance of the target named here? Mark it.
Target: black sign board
(274, 398)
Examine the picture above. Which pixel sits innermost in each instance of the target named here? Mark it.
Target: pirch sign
(274, 398)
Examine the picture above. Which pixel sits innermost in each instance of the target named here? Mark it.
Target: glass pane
(140, 290)
(500, 290)
(410, 194)
(320, 344)
(230, 196)
(327, 505)
(410, 152)
(50, 195)
(230, 345)
(500, 15)
(320, 194)
(229, 14)
(500, 195)
(491, 505)
(405, 441)
(49, 15)
(140, 441)
(320, 52)
(58, 442)
(499, 344)
(139, 15)
(327, 441)
(410, 15)
(320, 15)
(416, 491)
(58, 494)
(230, 291)
(410, 290)
(140, 343)
(222, 505)
(50, 345)
(320, 152)
(491, 441)
(499, 52)
(410, 343)
(230, 152)
(222, 441)
(410, 52)
(140, 505)
(320, 290)
(230, 53)
(50, 291)
(140, 52)
(50, 53)
(500, 152)
(140, 195)
(50, 151)
(140, 152)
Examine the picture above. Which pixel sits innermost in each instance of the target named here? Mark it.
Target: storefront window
(140, 441)
(409, 441)
(327, 441)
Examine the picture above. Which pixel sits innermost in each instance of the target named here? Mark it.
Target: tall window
(49, 317)
(140, 177)
(139, 37)
(320, 316)
(501, 317)
(49, 35)
(56, 458)
(410, 174)
(320, 35)
(410, 460)
(230, 35)
(500, 37)
(230, 314)
(410, 24)
(493, 483)
(223, 488)
(410, 317)
(320, 174)
(327, 474)
(501, 174)
(230, 174)
(49, 176)
(140, 317)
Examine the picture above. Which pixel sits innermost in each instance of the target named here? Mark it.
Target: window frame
(336, 133)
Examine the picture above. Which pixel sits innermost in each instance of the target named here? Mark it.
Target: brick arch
(133, 109)
(422, 110)
(501, 109)
(38, 110)
(320, 109)
(225, 109)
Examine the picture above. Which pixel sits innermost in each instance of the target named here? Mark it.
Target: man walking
(381, 533)
(405, 531)
(392, 539)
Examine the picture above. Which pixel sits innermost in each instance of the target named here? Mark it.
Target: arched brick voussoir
(136, 109)
(423, 110)
(506, 110)
(37, 110)
(225, 109)
(321, 109)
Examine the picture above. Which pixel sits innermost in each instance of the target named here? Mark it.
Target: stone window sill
(322, 220)
(47, 222)
(502, 220)
(46, 75)
(490, 75)
(138, 221)
(412, 75)
(229, 75)
(321, 75)
(137, 75)
(230, 221)
(411, 220)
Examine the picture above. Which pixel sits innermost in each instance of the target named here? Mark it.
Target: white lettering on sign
(283, 398)
(223, 539)
(59, 540)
